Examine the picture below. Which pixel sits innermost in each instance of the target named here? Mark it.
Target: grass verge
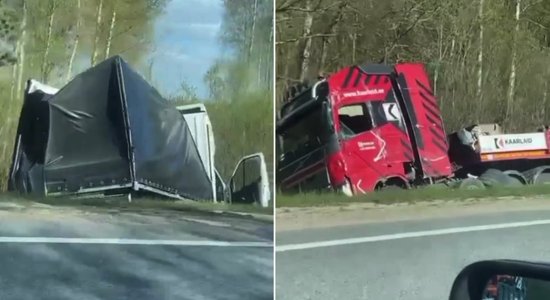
(410, 196)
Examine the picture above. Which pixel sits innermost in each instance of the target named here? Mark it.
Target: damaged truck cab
(373, 126)
(376, 126)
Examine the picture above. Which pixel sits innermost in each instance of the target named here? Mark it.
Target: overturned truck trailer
(107, 131)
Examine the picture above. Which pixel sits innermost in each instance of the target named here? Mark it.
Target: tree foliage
(240, 84)
(247, 37)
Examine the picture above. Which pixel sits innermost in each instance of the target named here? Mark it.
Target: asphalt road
(401, 260)
(85, 268)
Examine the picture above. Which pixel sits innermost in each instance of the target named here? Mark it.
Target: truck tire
(469, 184)
(391, 187)
(494, 177)
(538, 175)
(516, 178)
(392, 184)
(542, 178)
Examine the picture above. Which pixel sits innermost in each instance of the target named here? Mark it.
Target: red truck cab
(363, 128)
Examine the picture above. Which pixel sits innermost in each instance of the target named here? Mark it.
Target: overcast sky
(187, 43)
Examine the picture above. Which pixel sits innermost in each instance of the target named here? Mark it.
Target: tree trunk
(270, 60)
(326, 39)
(306, 52)
(543, 104)
(21, 58)
(75, 46)
(354, 41)
(44, 66)
(479, 91)
(453, 44)
(512, 81)
(253, 30)
(259, 76)
(439, 61)
(13, 80)
(97, 33)
(111, 29)
(480, 58)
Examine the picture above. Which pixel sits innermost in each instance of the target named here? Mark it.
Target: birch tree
(76, 39)
(51, 16)
(21, 52)
(480, 55)
(512, 80)
(111, 30)
(97, 33)
(306, 51)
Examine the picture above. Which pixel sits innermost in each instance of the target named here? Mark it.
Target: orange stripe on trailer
(534, 154)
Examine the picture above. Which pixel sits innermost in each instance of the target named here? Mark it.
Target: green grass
(409, 196)
(141, 204)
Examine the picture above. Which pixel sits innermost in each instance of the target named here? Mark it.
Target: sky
(187, 43)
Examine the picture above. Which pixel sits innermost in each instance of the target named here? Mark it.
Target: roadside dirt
(14, 203)
(297, 218)
(21, 211)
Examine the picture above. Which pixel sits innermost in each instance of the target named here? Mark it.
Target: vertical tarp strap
(127, 130)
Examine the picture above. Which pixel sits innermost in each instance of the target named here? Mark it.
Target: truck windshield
(354, 119)
(305, 134)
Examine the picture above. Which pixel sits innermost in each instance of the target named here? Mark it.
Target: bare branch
(316, 9)
(304, 37)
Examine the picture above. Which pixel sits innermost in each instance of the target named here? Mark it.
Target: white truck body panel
(35, 85)
(200, 126)
(512, 142)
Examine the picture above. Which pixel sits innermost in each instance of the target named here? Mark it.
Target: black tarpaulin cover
(106, 129)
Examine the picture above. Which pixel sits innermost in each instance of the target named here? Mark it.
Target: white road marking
(207, 222)
(113, 241)
(406, 235)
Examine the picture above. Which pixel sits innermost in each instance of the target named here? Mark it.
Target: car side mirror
(502, 279)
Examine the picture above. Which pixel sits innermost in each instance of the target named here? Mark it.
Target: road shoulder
(299, 218)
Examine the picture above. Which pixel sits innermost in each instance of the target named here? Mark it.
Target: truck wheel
(538, 175)
(515, 178)
(543, 178)
(494, 177)
(392, 184)
(391, 187)
(470, 184)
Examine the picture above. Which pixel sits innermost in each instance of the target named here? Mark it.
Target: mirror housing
(471, 282)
